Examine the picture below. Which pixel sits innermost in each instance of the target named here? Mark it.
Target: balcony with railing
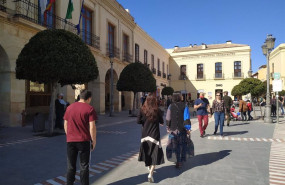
(112, 51)
(237, 75)
(31, 12)
(164, 75)
(158, 73)
(127, 57)
(219, 76)
(200, 77)
(153, 70)
(3, 5)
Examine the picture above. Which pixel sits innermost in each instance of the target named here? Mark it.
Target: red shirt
(78, 115)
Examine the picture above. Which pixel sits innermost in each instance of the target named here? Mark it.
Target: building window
(87, 25)
(152, 61)
(237, 69)
(126, 47)
(218, 70)
(145, 57)
(200, 71)
(111, 40)
(163, 70)
(137, 53)
(158, 64)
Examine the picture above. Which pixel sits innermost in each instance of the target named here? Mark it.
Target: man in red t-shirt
(80, 129)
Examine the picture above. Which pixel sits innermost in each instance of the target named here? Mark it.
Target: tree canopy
(56, 56)
(237, 91)
(136, 77)
(253, 86)
(167, 91)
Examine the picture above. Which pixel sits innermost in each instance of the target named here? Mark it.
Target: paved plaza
(250, 153)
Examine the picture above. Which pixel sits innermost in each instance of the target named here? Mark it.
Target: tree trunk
(52, 109)
(134, 102)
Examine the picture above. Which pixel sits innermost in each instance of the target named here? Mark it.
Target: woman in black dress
(150, 116)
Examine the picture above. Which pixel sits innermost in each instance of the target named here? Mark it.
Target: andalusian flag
(69, 10)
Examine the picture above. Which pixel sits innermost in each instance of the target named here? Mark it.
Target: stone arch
(5, 82)
(116, 93)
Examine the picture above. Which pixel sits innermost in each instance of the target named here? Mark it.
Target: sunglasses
(218, 95)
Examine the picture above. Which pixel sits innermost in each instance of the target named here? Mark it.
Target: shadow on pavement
(235, 133)
(232, 125)
(171, 172)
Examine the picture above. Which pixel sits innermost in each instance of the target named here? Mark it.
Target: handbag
(187, 118)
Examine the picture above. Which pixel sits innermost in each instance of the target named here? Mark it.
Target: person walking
(249, 107)
(219, 109)
(202, 106)
(228, 103)
(59, 111)
(243, 109)
(177, 133)
(80, 129)
(150, 116)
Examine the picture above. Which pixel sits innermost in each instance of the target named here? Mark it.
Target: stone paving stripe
(258, 139)
(251, 139)
(264, 139)
(105, 164)
(114, 162)
(62, 178)
(121, 160)
(245, 139)
(239, 139)
(110, 163)
(38, 184)
(53, 182)
(95, 171)
(100, 167)
(271, 140)
(227, 138)
(59, 181)
(278, 177)
(121, 157)
(278, 174)
(276, 167)
(276, 181)
(46, 183)
(274, 163)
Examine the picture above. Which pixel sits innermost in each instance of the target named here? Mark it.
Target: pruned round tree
(167, 91)
(136, 77)
(56, 57)
(253, 86)
(237, 91)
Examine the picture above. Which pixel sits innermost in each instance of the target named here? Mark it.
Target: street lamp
(267, 47)
(111, 56)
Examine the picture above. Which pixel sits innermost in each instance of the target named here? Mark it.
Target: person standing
(219, 109)
(273, 106)
(150, 116)
(177, 133)
(59, 111)
(202, 106)
(228, 103)
(243, 109)
(282, 104)
(249, 106)
(80, 129)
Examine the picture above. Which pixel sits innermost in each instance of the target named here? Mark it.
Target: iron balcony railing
(153, 70)
(112, 51)
(238, 75)
(127, 57)
(164, 75)
(200, 77)
(3, 7)
(158, 73)
(31, 12)
(218, 76)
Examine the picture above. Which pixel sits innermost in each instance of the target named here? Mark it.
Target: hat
(61, 94)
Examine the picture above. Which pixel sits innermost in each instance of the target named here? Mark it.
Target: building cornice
(276, 51)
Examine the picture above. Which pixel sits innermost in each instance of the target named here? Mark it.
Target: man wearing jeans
(202, 106)
(80, 129)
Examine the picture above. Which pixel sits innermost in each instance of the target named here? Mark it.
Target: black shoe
(215, 133)
(201, 136)
(204, 133)
(228, 124)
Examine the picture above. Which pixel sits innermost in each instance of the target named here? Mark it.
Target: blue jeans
(282, 109)
(219, 120)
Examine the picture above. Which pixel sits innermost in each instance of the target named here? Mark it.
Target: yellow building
(277, 62)
(261, 73)
(208, 68)
(105, 26)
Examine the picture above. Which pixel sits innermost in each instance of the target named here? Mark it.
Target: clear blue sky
(184, 22)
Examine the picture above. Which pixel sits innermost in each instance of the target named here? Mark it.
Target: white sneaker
(150, 178)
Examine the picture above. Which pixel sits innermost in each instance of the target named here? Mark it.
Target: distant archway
(116, 93)
(5, 81)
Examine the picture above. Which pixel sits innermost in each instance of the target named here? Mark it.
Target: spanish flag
(48, 8)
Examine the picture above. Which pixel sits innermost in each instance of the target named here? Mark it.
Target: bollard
(24, 114)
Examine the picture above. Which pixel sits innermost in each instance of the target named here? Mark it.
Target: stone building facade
(105, 26)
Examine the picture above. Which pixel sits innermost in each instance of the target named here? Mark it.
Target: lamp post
(111, 56)
(267, 47)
